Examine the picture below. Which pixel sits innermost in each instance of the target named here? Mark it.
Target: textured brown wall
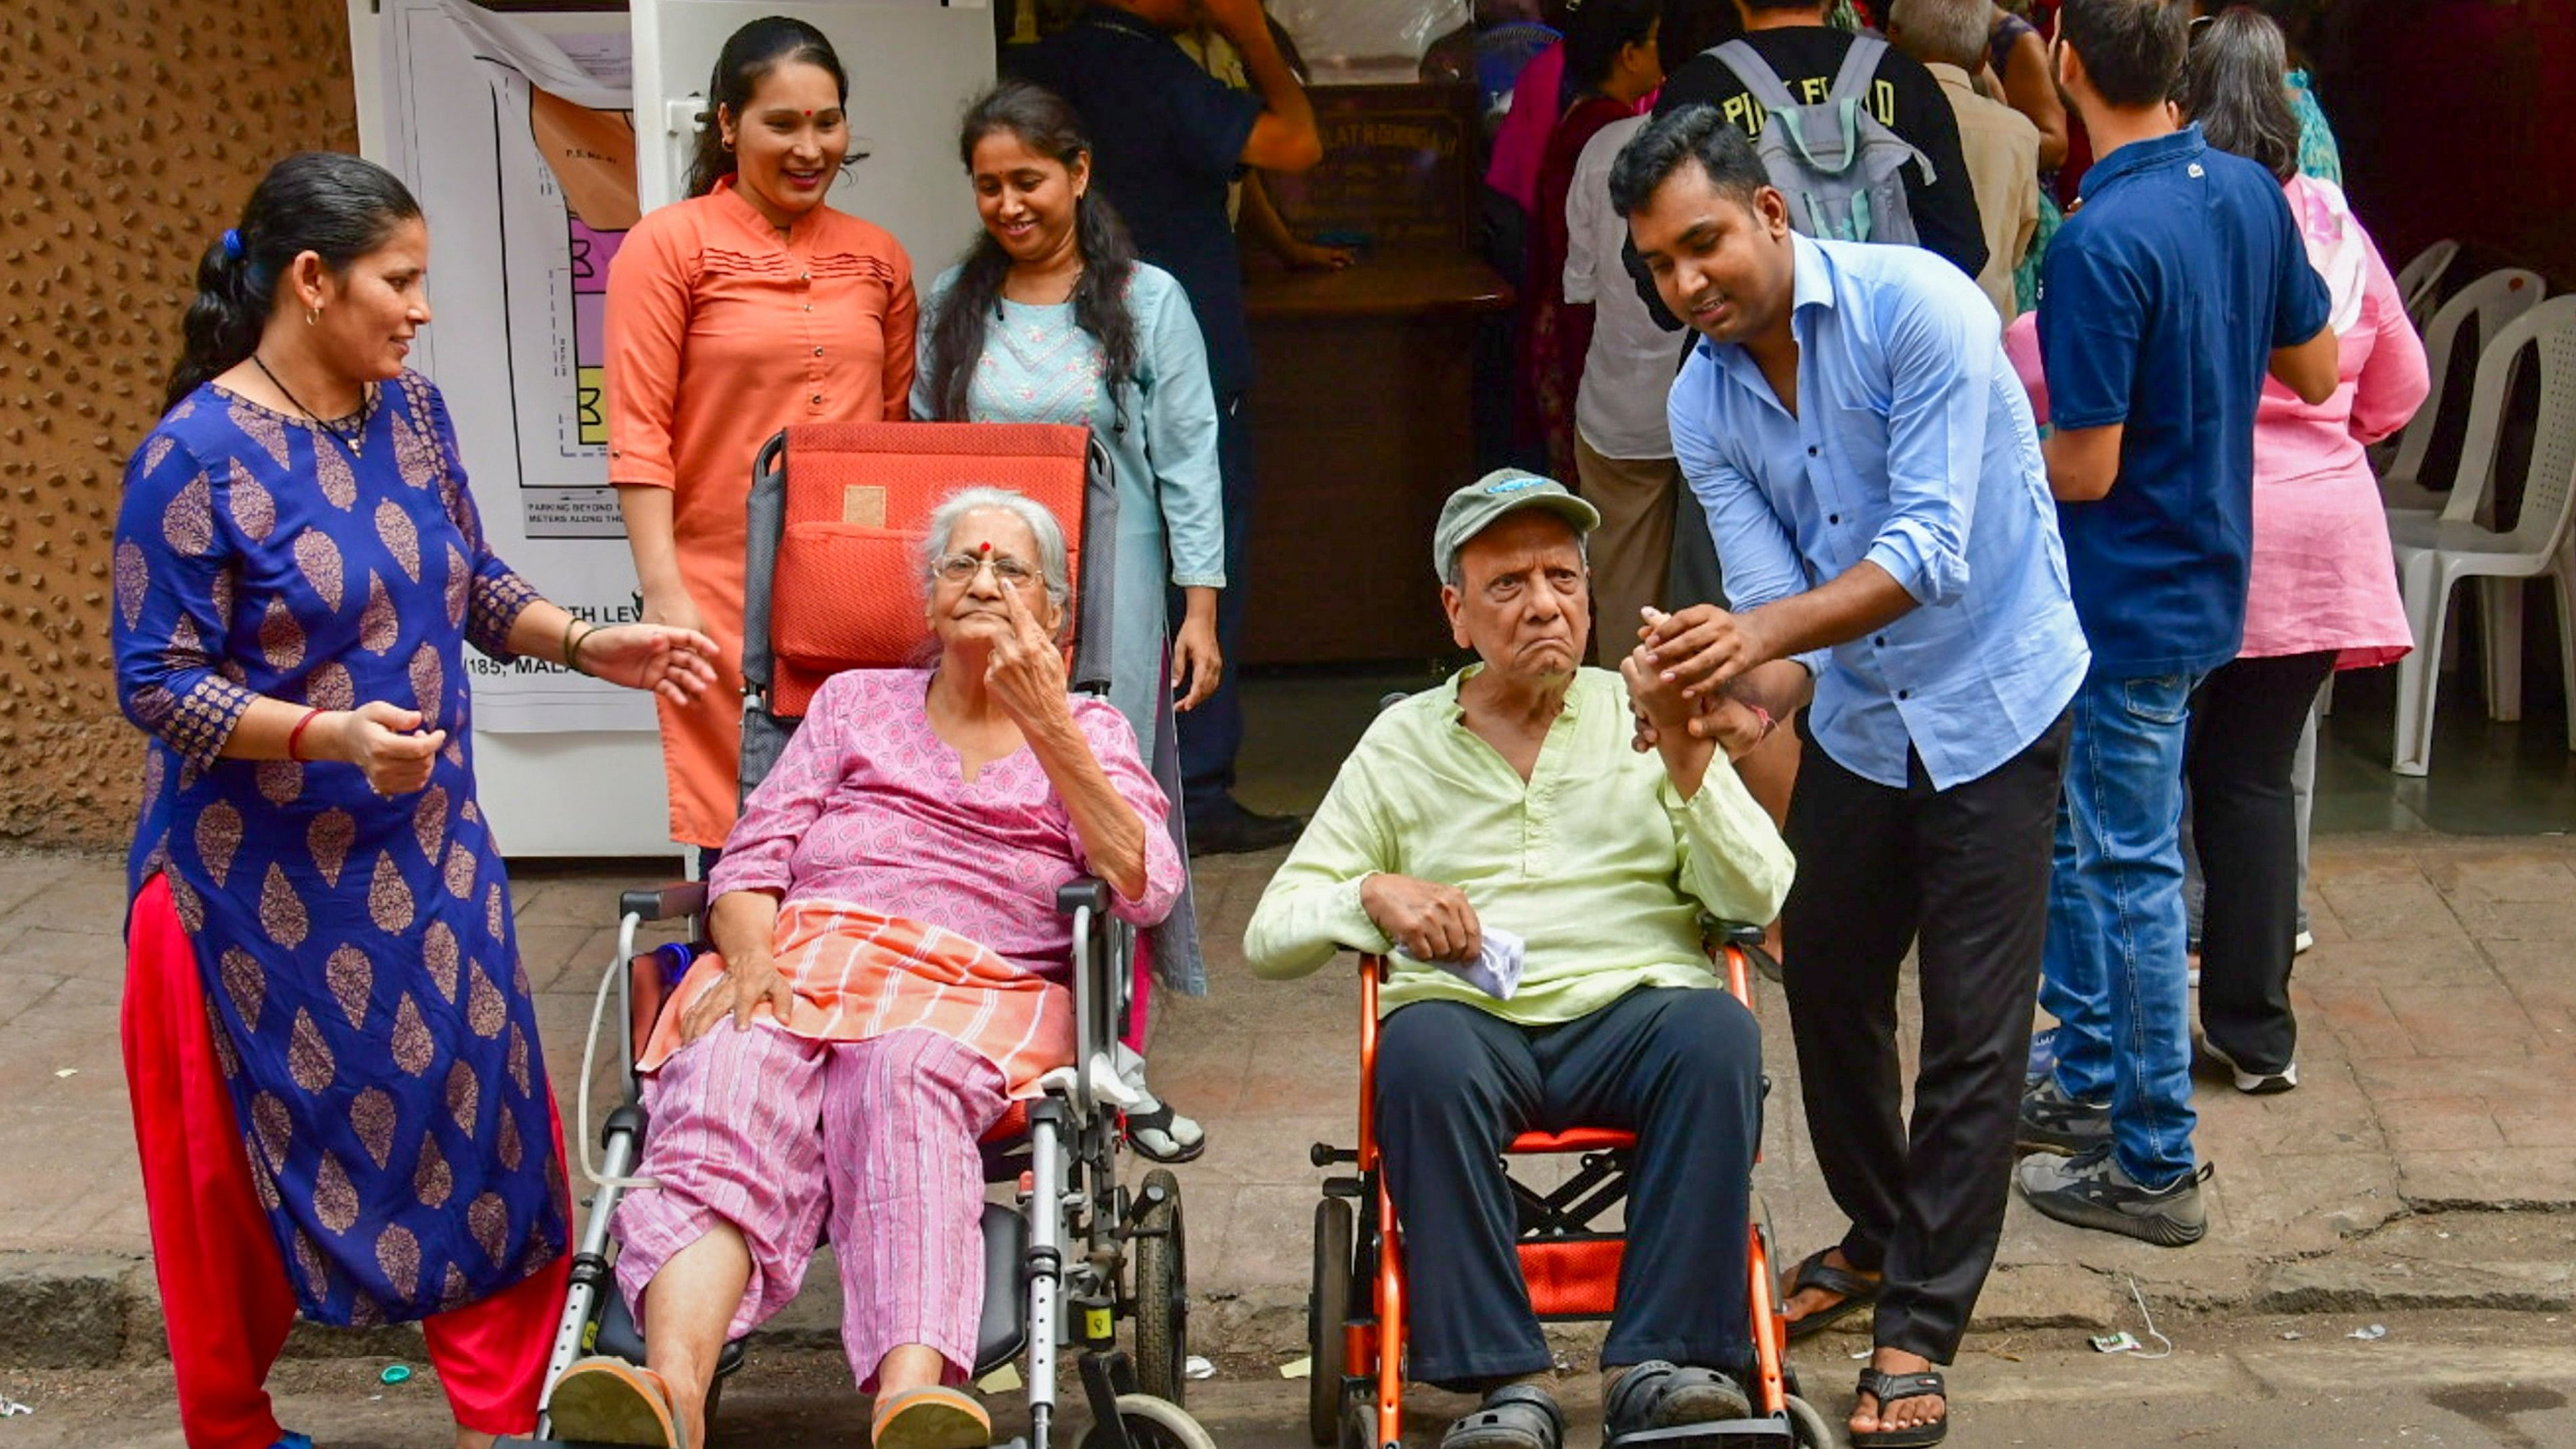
(130, 132)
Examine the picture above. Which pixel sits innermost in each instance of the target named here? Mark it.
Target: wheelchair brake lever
(1148, 1198)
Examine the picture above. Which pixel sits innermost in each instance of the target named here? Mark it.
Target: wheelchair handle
(664, 903)
(1074, 895)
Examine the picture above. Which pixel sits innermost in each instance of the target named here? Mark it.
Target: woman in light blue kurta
(1050, 318)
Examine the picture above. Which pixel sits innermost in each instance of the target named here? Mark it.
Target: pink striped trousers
(773, 1133)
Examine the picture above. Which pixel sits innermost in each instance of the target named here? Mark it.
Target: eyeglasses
(957, 568)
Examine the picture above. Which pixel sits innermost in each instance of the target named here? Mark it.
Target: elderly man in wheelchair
(891, 982)
(1501, 831)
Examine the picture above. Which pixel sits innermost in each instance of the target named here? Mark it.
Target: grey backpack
(1840, 167)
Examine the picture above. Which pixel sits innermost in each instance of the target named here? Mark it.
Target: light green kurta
(1596, 862)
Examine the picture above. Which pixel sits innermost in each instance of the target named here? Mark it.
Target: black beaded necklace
(351, 430)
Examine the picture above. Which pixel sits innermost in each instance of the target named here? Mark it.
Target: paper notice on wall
(513, 132)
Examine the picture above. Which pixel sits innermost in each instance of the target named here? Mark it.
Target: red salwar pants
(224, 1290)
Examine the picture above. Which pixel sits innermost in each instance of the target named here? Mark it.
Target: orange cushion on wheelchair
(1572, 1139)
(1572, 1277)
(849, 587)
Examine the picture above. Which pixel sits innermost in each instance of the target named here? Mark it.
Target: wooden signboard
(1396, 175)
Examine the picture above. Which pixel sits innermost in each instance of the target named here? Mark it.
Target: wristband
(1764, 715)
(295, 736)
(573, 643)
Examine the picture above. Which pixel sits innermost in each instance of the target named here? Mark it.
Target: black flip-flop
(1160, 1120)
(1889, 1389)
(1515, 1416)
(1658, 1394)
(1813, 1272)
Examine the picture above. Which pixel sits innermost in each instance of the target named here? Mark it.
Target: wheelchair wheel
(1162, 1296)
(1359, 1423)
(1809, 1426)
(1153, 1423)
(1328, 1307)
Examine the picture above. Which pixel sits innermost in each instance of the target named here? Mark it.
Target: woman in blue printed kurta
(1050, 318)
(294, 590)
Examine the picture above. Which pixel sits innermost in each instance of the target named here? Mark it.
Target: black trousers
(1680, 1067)
(1212, 733)
(2245, 725)
(1964, 870)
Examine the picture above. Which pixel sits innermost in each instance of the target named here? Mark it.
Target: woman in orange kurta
(745, 308)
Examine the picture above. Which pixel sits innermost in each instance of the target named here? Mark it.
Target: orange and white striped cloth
(859, 974)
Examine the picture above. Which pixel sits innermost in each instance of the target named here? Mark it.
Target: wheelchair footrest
(1771, 1433)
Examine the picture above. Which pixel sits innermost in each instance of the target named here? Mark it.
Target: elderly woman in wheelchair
(890, 983)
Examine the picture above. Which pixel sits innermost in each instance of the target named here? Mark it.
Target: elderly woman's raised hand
(1024, 671)
(677, 664)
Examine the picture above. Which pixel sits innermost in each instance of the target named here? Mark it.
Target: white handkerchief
(1496, 971)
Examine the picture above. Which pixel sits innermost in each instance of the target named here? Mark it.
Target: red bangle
(295, 736)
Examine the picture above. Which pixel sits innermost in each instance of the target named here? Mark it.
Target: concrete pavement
(2428, 1159)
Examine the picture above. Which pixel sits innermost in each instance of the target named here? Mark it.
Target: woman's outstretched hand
(677, 664)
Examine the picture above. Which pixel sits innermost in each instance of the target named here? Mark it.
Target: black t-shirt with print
(1906, 99)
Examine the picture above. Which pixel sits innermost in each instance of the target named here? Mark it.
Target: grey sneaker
(2090, 1191)
(2252, 1084)
(2052, 1121)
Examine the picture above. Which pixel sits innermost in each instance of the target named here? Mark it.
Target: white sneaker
(2253, 1084)
(2302, 943)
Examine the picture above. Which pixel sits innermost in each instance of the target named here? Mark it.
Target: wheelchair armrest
(664, 903)
(1075, 894)
(1731, 933)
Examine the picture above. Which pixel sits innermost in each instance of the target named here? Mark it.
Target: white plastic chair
(2435, 554)
(2492, 301)
(2419, 282)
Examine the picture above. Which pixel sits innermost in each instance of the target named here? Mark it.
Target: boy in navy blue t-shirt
(2164, 303)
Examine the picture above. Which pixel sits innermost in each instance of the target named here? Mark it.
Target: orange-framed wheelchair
(1355, 1308)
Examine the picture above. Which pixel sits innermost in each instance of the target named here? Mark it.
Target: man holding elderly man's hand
(1874, 484)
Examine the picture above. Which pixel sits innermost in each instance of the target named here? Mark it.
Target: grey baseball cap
(1473, 509)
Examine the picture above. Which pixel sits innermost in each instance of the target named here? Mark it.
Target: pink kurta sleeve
(2395, 381)
(649, 295)
(777, 815)
(1113, 744)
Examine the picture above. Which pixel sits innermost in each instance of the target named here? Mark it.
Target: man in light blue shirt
(1876, 494)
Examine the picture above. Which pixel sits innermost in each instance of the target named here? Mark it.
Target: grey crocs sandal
(1515, 1416)
(1658, 1394)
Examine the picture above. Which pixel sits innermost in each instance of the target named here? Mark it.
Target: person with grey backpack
(1856, 135)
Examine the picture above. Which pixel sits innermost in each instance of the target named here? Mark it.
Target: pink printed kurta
(869, 806)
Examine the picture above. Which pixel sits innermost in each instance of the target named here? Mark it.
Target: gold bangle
(572, 648)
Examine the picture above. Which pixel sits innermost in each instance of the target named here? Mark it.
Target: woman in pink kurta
(893, 976)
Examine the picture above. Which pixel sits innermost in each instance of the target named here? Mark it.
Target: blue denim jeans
(2114, 971)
